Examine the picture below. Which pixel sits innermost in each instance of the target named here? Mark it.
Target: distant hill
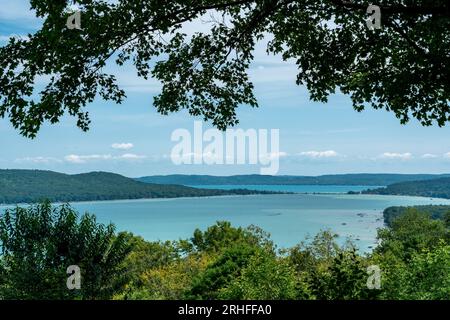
(436, 188)
(28, 186)
(340, 179)
(435, 212)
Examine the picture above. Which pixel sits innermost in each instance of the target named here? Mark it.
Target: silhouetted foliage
(402, 67)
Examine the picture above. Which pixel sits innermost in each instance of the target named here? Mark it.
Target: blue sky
(134, 140)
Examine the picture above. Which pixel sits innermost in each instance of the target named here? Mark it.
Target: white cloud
(73, 158)
(122, 146)
(447, 155)
(130, 156)
(41, 160)
(81, 159)
(394, 155)
(272, 156)
(5, 38)
(429, 156)
(130, 82)
(198, 157)
(319, 154)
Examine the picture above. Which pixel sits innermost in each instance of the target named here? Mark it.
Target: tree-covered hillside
(28, 186)
(436, 212)
(435, 188)
(376, 179)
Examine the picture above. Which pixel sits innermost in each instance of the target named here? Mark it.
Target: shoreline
(5, 205)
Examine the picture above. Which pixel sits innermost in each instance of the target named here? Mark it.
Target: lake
(290, 218)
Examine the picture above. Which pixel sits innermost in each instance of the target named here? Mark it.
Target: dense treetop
(437, 212)
(402, 67)
(222, 262)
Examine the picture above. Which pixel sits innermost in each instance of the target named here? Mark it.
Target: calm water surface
(289, 218)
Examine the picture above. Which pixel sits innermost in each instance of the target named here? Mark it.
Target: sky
(134, 140)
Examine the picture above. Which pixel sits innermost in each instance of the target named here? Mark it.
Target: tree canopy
(402, 67)
(38, 243)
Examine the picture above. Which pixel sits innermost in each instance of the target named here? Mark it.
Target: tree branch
(443, 10)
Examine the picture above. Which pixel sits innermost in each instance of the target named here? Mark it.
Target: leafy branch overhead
(402, 67)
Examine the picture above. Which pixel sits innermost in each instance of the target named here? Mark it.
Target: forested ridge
(435, 188)
(367, 179)
(29, 186)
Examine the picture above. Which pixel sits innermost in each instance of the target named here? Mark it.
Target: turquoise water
(290, 218)
(291, 188)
